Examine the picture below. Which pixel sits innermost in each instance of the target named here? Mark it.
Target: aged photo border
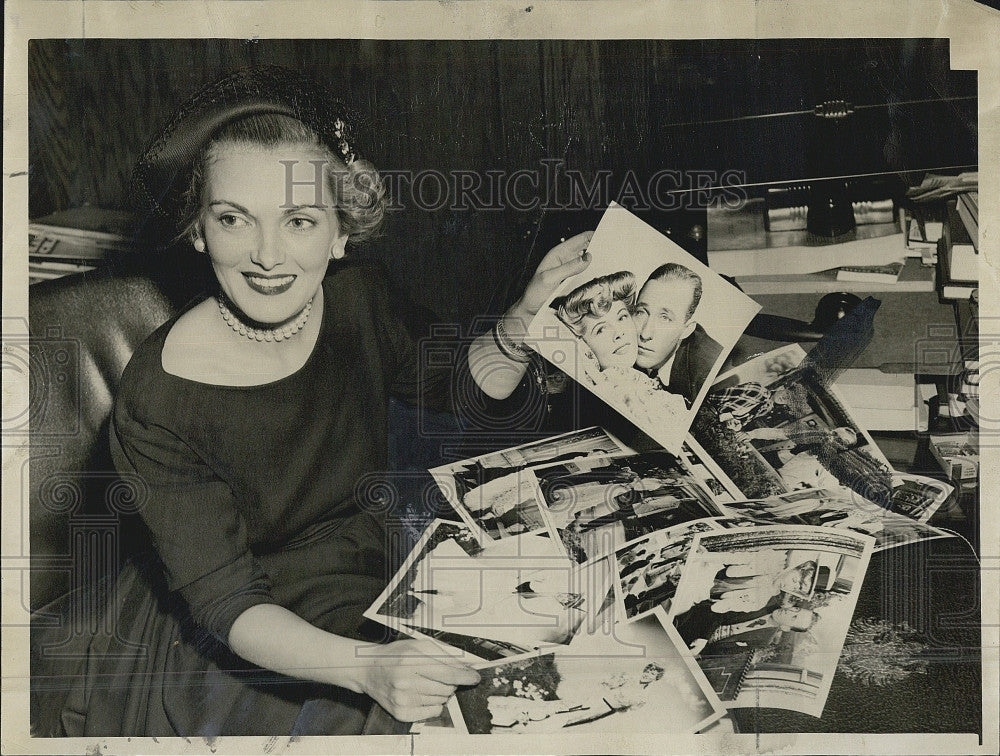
(973, 31)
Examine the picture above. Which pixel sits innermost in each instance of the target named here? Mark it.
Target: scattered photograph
(837, 508)
(708, 473)
(647, 571)
(494, 500)
(597, 507)
(490, 603)
(621, 678)
(774, 427)
(918, 497)
(646, 327)
(765, 611)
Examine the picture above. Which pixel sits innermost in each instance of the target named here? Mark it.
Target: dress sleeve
(191, 513)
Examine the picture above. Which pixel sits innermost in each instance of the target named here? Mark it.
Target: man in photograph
(709, 633)
(673, 347)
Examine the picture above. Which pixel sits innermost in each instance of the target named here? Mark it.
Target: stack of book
(958, 250)
(958, 455)
(75, 241)
(883, 401)
(968, 210)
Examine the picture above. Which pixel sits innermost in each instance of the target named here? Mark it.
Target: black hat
(243, 93)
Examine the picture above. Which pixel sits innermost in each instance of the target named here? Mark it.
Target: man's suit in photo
(693, 360)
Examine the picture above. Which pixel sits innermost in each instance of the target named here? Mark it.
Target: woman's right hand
(413, 679)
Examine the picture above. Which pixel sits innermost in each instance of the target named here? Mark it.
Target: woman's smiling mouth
(269, 285)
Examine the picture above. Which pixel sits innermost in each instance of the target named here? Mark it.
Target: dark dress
(250, 499)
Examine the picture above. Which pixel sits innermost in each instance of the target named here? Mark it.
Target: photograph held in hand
(645, 327)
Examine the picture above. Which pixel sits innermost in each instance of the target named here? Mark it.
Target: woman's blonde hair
(356, 187)
(595, 298)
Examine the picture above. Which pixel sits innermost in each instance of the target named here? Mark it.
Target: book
(887, 274)
(968, 211)
(950, 287)
(958, 455)
(922, 225)
(936, 186)
(963, 261)
(79, 236)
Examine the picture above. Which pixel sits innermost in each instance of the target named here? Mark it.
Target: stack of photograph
(718, 567)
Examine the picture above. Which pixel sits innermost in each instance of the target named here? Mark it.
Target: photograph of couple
(646, 327)
(648, 570)
(493, 495)
(837, 508)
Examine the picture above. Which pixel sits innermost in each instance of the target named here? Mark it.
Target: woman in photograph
(618, 693)
(599, 313)
(250, 417)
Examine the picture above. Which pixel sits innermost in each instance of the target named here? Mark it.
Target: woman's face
(611, 337)
(268, 234)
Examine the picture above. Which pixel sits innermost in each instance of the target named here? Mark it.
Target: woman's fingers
(567, 251)
(428, 686)
(555, 276)
(400, 698)
(449, 674)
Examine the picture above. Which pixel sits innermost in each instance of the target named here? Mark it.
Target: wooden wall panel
(618, 106)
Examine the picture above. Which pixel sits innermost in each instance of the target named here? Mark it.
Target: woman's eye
(230, 220)
(301, 223)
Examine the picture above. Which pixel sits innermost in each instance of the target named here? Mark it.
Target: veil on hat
(246, 92)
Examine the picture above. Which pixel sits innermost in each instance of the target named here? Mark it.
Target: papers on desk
(881, 250)
(913, 276)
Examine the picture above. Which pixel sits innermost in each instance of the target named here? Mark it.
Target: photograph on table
(917, 496)
(490, 496)
(645, 327)
(837, 508)
(647, 571)
(708, 472)
(597, 508)
(774, 427)
(766, 610)
(604, 682)
(493, 602)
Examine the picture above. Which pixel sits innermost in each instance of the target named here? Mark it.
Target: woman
(250, 417)
(599, 313)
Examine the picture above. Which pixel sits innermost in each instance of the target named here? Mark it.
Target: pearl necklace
(264, 334)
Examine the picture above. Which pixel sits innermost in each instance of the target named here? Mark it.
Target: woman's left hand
(562, 261)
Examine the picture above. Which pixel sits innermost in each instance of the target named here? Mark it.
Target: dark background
(633, 105)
